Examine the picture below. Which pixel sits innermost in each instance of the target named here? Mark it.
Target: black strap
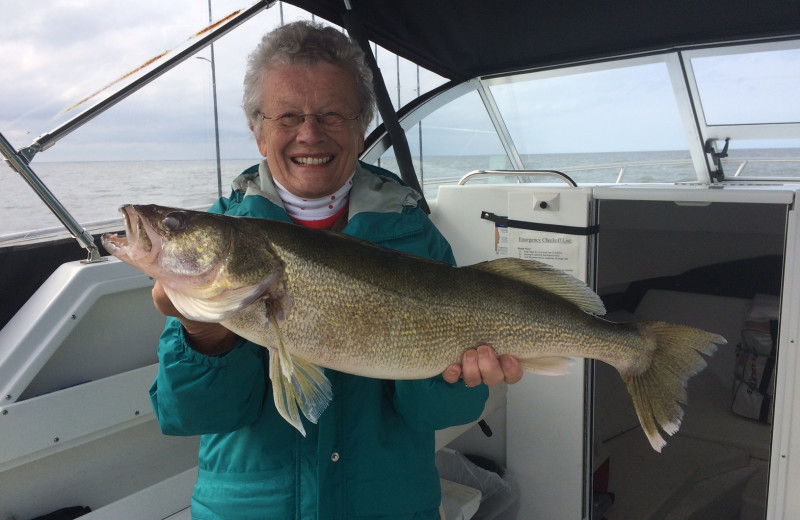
(402, 152)
(536, 226)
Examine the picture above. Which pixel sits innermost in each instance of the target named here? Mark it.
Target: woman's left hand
(482, 365)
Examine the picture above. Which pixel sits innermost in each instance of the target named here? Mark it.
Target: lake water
(92, 191)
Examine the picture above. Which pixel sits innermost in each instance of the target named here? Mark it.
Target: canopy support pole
(18, 163)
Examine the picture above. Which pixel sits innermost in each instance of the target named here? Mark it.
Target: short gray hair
(306, 43)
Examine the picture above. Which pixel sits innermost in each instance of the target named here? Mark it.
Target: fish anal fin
(547, 278)
(547, 366)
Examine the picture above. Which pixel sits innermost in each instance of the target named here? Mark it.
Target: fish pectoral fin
(548, 366)
(223, 305)
(284, 358)
(214, 309)
(307, 390)
(284, 395)
(547, 278)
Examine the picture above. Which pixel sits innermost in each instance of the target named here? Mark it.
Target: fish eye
(174, 221)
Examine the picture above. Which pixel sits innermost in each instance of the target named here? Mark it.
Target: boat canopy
(471, 38)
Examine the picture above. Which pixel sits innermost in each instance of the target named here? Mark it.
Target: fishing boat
(651, 149)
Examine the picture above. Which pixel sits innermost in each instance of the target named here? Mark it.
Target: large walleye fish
(322, 299)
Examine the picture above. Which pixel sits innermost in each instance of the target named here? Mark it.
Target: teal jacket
(372, 453)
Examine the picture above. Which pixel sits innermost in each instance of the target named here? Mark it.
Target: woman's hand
(207, 338)
(482, 365)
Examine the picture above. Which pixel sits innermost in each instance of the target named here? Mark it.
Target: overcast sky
(58, 53)
(54, 56)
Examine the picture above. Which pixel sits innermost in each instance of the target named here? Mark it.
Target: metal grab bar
(516, 173)
(18, 163)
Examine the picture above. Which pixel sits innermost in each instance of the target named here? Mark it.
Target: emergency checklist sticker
(553, 208)
(557, 250)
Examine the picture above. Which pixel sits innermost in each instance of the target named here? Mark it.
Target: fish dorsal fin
(223, 305)
(297, 385)
(548, 278)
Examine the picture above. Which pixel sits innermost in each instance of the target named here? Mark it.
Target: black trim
(766, 377)
(26, 267)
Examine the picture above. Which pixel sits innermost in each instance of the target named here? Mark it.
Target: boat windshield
(625, 121)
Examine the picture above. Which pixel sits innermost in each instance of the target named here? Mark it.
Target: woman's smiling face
(310, 160)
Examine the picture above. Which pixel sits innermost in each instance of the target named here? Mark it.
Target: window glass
(742, 89)
(749, 88)
(451, 142)
(762, 159)
(404, 80)
(609, 125)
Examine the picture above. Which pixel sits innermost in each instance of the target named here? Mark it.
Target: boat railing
(746, 162)
(520, 174)
(621, 170)
(48, 233)
(95, 227)
(18, 162)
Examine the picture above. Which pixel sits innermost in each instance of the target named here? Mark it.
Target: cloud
(63, 52)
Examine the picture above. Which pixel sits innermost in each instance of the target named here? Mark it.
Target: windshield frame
(704, 140)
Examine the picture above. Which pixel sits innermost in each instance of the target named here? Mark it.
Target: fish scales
(374, 325)
(321, 299)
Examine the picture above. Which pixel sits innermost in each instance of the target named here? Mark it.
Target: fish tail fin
(660, 389)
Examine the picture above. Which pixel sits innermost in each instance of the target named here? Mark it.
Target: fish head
(210, 265)
(171, 244)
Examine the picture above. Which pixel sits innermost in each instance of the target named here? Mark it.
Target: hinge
(716, 157)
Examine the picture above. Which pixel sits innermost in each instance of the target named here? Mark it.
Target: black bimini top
(462, 39)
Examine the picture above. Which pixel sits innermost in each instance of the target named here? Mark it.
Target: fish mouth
(135, 243)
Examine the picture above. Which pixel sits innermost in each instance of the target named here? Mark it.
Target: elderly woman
(308, 98)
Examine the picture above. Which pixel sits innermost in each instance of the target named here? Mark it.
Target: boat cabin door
(546, 420)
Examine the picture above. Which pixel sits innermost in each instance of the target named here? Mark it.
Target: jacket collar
(371, 192)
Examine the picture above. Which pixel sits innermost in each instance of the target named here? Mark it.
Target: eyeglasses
(328, 120)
